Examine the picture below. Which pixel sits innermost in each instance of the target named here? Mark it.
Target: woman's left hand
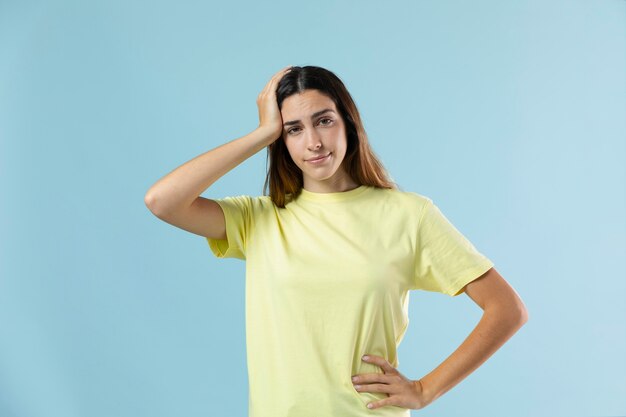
(402, 391)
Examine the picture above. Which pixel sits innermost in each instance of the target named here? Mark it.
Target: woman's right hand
(270, 118)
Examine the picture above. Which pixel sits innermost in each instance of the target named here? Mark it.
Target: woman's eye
(295, 129)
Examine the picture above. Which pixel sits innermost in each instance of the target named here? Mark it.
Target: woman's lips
(319, 160)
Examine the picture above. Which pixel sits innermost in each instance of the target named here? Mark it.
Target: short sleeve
(445, 260)
(237, 214)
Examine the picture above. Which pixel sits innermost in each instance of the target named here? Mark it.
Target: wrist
(268, 133)
(429, 393)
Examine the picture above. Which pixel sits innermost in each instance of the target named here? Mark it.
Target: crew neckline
(336, 196)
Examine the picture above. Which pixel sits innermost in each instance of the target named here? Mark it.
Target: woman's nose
(313, 140)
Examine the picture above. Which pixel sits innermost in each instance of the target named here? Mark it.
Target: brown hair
(284, 177)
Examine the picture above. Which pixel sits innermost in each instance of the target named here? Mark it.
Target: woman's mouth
(319, 160)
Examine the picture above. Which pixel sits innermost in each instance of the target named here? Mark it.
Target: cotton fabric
(328, 280)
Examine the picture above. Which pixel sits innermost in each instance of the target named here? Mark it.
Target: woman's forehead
(306, 103)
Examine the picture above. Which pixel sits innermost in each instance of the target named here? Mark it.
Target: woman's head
(301, 93)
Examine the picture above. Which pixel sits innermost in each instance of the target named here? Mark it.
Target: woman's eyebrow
(313, 116)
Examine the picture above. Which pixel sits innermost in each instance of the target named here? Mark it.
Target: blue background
(509, 115)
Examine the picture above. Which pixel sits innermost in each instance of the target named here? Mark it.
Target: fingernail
(354, 378)
(365, 357)
(370, 405)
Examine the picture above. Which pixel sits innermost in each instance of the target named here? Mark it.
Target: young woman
(331, 255)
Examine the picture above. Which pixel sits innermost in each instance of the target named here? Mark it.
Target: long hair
(284, 177)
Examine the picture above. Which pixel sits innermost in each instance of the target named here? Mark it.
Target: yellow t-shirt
(328, 280)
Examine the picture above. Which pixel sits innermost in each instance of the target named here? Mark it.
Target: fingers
(387, 389)
(279, 75)
(380, 361)
(401, 391)
(288, 67)
(276, 77)
(389, 375)
(367, 378)
(270, 86)
(283, 71)
(269, 112)
(389, 370)
(381, 403)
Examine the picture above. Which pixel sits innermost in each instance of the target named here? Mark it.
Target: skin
(312, 136)
(503, 314)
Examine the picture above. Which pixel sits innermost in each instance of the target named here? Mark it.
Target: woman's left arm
(503, 315)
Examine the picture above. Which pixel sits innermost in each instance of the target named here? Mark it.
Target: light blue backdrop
(510, 115)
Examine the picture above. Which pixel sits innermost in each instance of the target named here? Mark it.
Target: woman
(331, 255)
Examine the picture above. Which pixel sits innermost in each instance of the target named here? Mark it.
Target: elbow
(517, 315)
(149, 200)
(521, 312)
(517, 310)
(514, 315)
(160, 206)
(152, 203)
(521, 316)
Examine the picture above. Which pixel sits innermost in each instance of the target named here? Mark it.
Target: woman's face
(313, 127)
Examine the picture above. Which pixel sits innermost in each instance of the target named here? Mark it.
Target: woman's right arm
(175, 198)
